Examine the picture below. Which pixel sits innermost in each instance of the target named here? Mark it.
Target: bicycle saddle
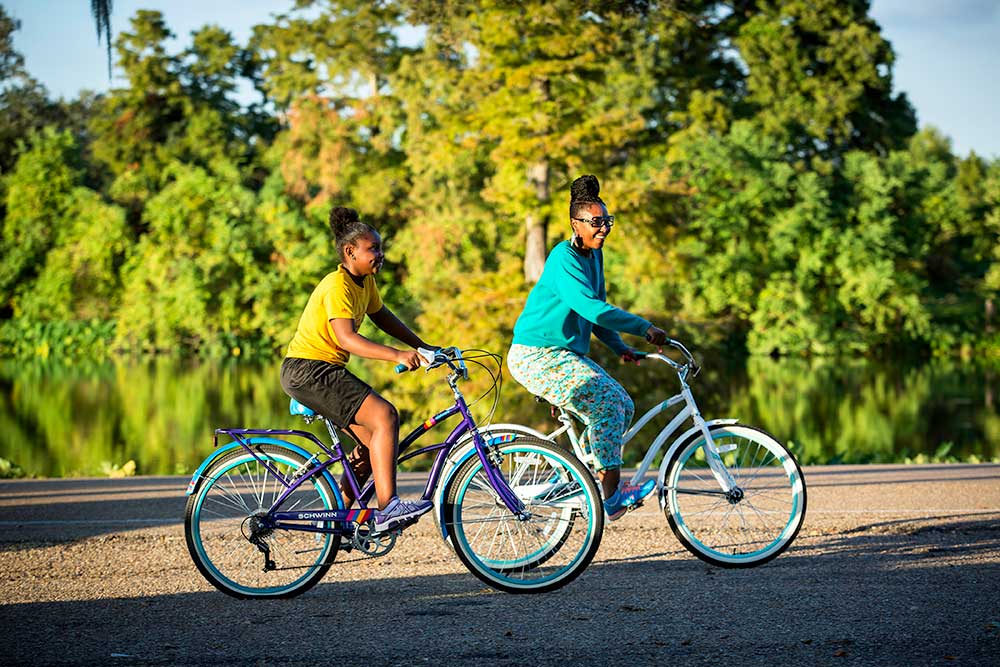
(296, 408)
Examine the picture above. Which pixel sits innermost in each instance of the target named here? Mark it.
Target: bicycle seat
(296, 408)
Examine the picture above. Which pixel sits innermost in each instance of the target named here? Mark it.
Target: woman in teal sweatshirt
(552, 339)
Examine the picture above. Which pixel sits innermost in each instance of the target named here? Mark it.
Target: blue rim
(196, 528)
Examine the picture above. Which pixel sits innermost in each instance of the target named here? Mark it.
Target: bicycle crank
(372, 543)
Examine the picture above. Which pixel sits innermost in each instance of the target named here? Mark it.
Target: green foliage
(61, 243)
(820, 78)
(186, 281)
(36, 199)
(24, 103)
(772, 193)
(63, 340)
(10, 470)
(79, 280)
(301, 254)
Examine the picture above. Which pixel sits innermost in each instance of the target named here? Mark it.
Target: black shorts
(330, 390)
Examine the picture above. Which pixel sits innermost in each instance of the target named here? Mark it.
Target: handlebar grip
(401, 368)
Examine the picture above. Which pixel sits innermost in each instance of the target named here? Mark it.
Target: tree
(820, 78)
(328, 72)
(542, 85)
(37, 205)
(24, 103)
(814, 263)
(62, 245)
(185, 282)
(101, 11)
(177, 107)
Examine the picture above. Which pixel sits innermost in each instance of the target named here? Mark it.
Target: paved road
(895, 565)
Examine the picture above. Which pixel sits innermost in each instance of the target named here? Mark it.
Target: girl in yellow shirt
(314, 370)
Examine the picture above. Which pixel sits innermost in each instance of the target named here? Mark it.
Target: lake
(60, 421)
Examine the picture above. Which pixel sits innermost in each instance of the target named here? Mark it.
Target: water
(71, 421)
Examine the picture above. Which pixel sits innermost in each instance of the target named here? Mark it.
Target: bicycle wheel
(553, 545)
(219, 522)
(745, 528)
(460, 451)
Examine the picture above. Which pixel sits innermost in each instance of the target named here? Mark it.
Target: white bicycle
(733, 495)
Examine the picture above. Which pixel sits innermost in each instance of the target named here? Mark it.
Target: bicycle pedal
(632, 508)
(396, 528)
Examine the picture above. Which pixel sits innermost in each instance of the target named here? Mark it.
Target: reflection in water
(64, 421)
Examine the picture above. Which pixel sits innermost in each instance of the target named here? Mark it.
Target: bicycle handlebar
(440, 357)
(428, 357)
(691, 366)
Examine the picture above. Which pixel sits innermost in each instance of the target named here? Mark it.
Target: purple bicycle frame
(275, 519)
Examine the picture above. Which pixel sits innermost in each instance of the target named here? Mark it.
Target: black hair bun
(585, 188)
(340, 218)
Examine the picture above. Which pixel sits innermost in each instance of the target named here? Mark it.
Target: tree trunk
(537, 223)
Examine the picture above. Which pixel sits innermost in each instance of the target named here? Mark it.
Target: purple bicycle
(266, 519)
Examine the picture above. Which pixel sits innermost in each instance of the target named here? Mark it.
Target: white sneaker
(399, 512)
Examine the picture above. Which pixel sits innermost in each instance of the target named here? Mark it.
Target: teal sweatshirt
(568, 304)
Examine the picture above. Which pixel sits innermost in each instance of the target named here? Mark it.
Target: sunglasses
(599, 221)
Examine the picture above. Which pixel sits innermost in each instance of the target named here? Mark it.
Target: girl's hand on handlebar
(409, 358)
(656, 335)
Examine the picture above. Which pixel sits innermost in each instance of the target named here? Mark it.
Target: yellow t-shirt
(336, 296)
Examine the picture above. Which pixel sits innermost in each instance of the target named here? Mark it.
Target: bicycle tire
(752, 530)
(236, 487)
(549, 549)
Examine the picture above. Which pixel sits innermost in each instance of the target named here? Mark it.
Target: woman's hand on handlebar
(411, 359)
(656, 335)
(631, 356)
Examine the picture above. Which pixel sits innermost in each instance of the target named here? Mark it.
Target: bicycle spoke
(736, 529)
(234, 493)
(222, 526)
(247, 475)
(548, 542)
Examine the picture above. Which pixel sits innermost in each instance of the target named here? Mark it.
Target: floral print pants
(577, 384)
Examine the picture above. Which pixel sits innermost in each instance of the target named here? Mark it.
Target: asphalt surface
(895, 565)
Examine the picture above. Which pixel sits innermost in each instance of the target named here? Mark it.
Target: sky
(947, 52)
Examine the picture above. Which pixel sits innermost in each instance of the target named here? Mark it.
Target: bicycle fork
(712, 451)
(490, 459)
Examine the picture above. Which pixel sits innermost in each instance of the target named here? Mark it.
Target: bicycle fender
(464, 449)
(197, 476)
(683, 439)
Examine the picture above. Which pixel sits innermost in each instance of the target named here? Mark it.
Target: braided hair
(347, 228)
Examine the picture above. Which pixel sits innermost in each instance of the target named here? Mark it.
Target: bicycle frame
(344, 518)
(690, 410)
